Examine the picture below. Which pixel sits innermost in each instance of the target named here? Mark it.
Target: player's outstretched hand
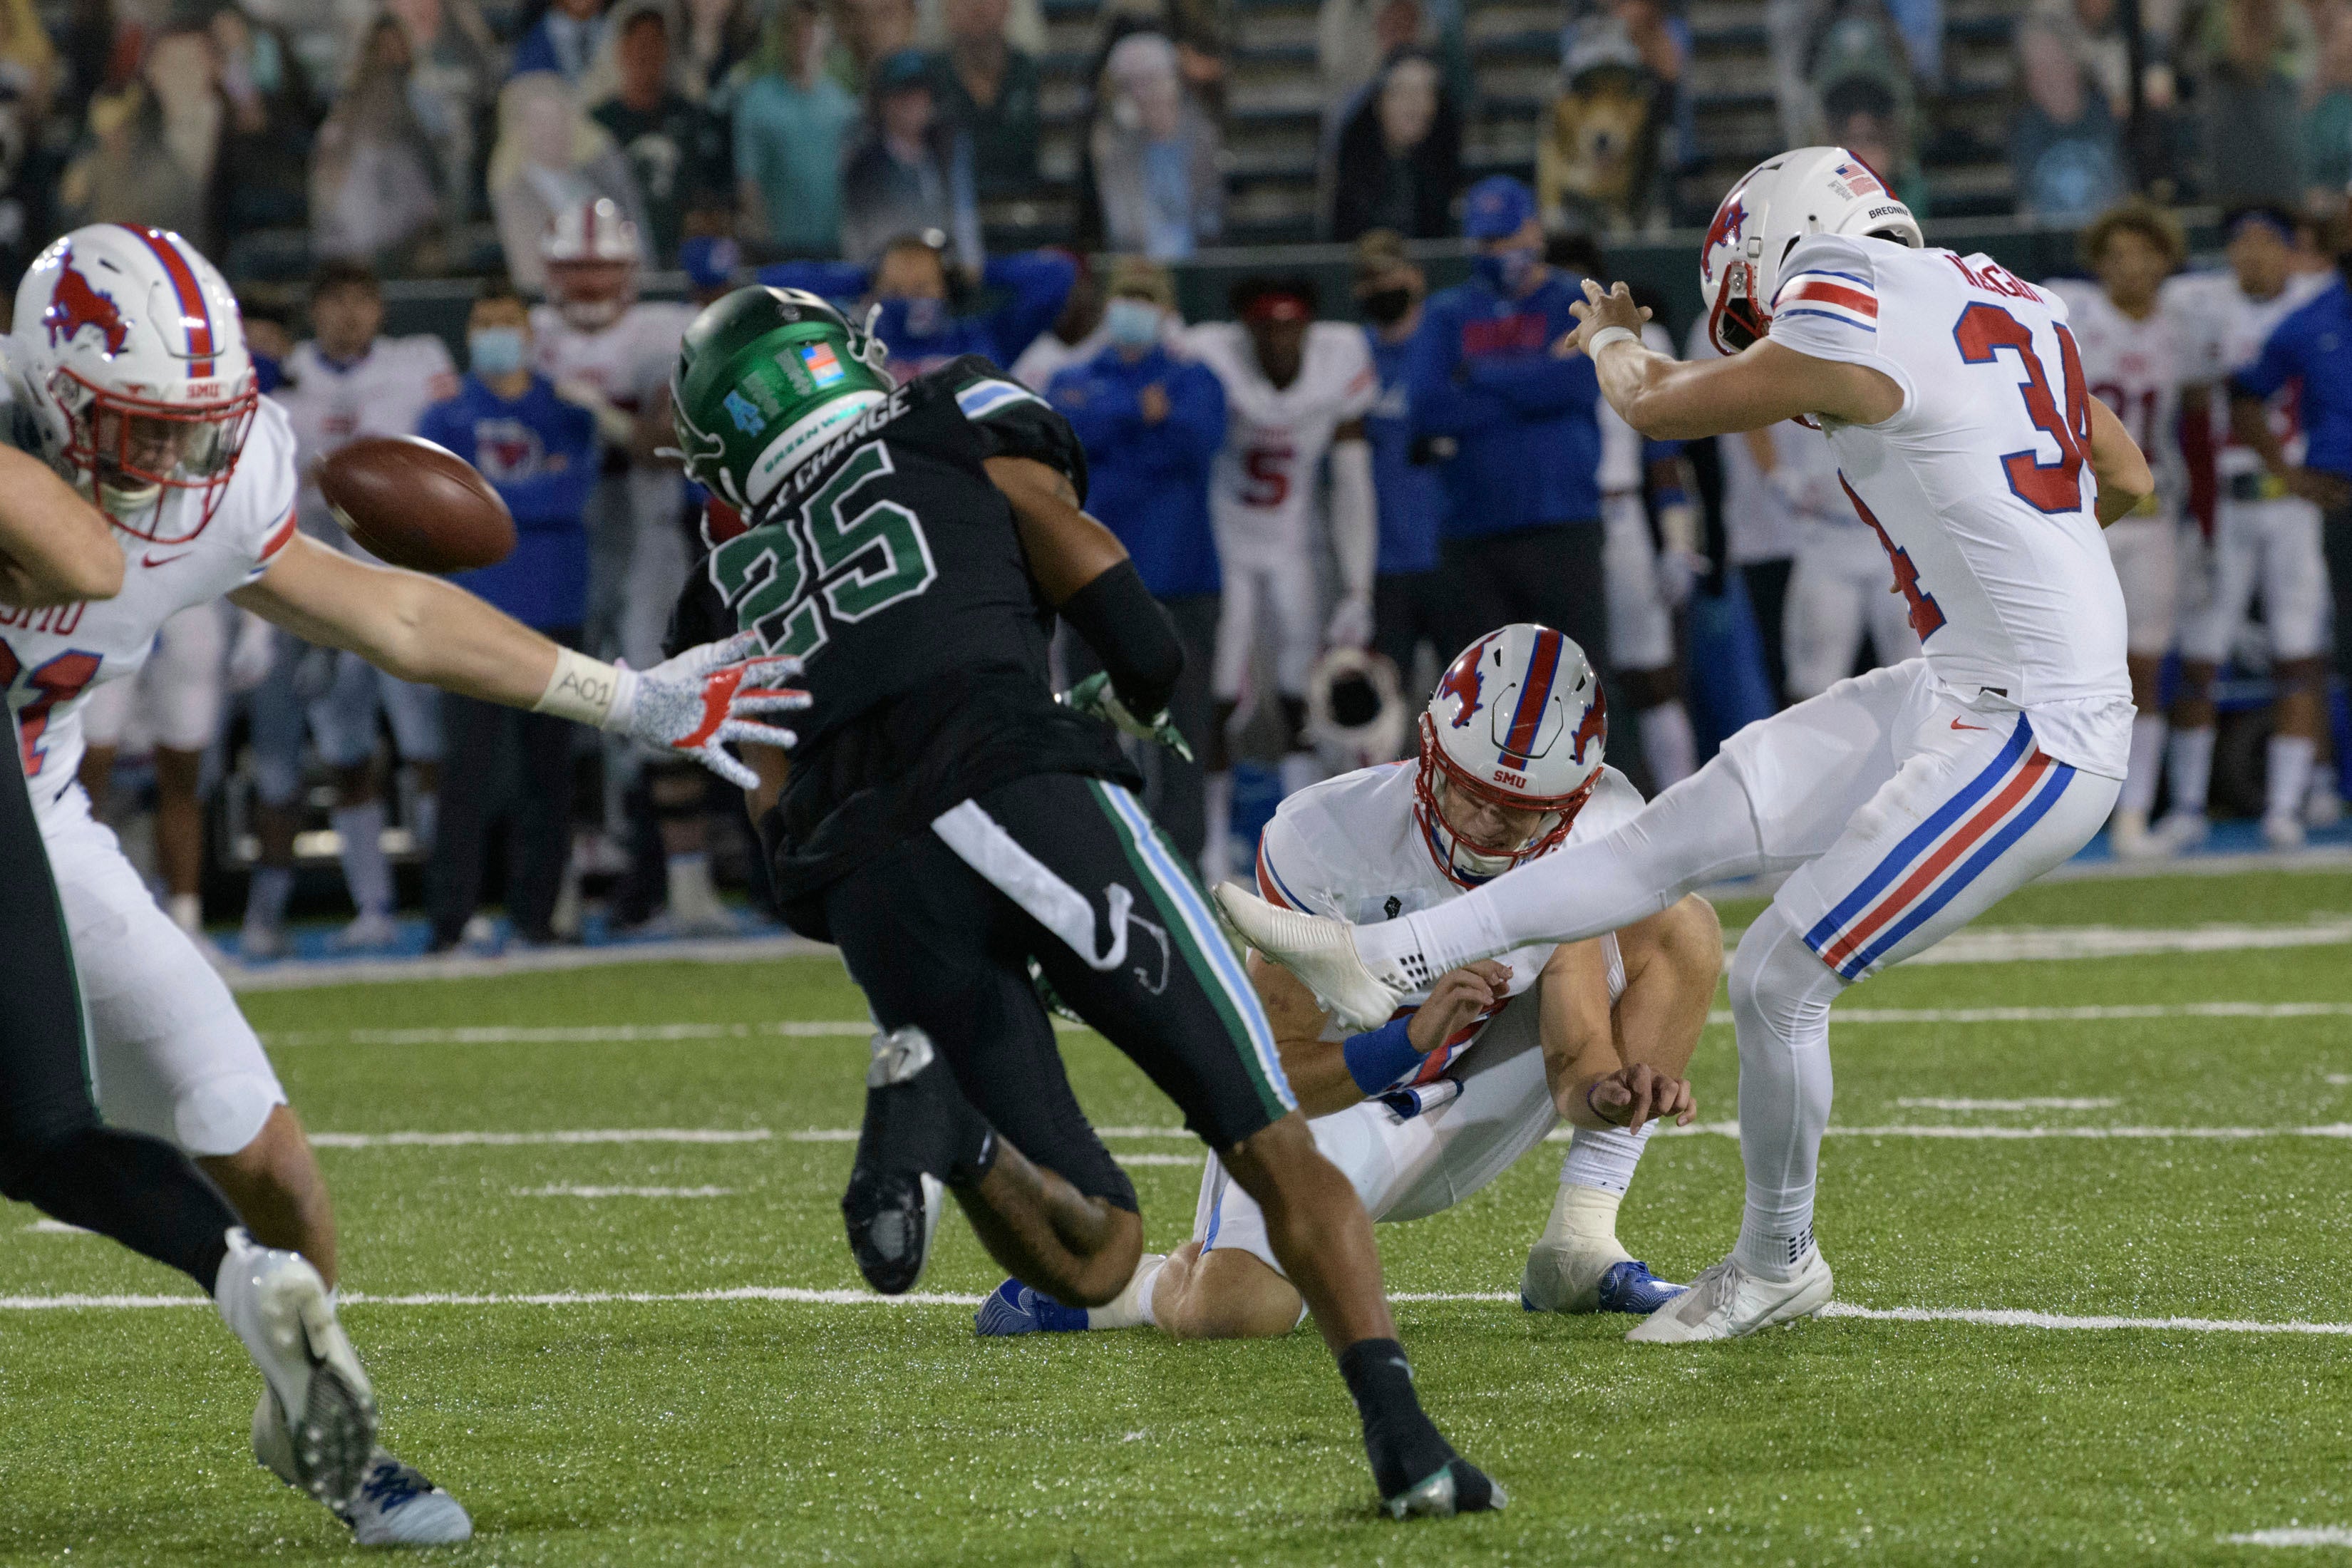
(1597, 310)
(1456, 1002)
(707, 697)
(1632, 1096)
(1092, 695)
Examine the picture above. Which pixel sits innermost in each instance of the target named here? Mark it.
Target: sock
(2289, 767)
(1405, 1445)
(1700, 831)
(1300, 769)
(1217, 848)
(367, 875)
(187, 911)
(1603, 1159)
(2190, 762)
(2146, 763)
(1667, 743)
(689, 881)
(426, 819)
(264, 902)
(1132, 1308)
(1780, 997)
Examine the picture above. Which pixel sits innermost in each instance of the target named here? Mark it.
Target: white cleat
(1727, 1302)
(1319, 950)
(2283, 831)
(279, 1306)
(369, 932)
(2129, 837)
(395, 1505)
(2183, 831)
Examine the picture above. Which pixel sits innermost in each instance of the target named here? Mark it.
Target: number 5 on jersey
(862, 565)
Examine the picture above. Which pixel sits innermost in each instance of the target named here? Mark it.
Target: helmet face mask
(1518, 726)
(133, 450)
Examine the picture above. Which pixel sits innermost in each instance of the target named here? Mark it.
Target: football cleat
(1014, 1308)
(892, 1206)
(1727, 1302)
(1320, 951)
(279, 1306)
(1589, 1279)
(892, 1217)
(1629, 1286)
(2129, 837)
(2183, 831)
(1460, 1487)
(394, 1506)
(2282, 830)
(370, 932)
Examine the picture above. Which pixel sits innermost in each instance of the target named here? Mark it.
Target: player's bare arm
(2250, 423)
(54, 547)
(2121, 469)
(1318, 1067)
(1669, 399)
(423, 629)
(1602, 1075)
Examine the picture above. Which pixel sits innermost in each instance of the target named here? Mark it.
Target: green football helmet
(765, 377)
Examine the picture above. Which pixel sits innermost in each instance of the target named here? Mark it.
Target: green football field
(549, 1322)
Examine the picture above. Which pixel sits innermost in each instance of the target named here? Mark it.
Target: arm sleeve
(1039, 281)
(1827, 308)
(1133, 637)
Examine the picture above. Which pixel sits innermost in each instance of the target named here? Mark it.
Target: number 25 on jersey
(857, 565)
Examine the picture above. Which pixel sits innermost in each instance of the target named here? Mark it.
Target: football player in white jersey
(611, 351)
(1295, 390)
(1644, 584)
(1431, 1106)
(2131, 350)
(345, 382)
(132, 378)
(2266, 540)
(1901, 803)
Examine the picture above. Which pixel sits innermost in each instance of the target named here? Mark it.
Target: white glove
(253, 654)
(1350, 625)
(696, 703)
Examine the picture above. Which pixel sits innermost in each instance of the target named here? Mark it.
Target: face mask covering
(1133, 323)
(495, 350)
(1386, 307)
(1507, 272)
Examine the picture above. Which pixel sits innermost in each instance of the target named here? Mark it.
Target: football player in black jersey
(948, 825)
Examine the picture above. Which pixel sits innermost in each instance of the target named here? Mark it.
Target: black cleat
(891, 1216)
(1460, 1487)
(892, 1207)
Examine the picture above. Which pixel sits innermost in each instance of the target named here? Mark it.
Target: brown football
(415, 504)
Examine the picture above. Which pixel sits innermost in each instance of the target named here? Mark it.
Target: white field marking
(2077, 1015)
(567, 1192)
(1936, 1102)
(2339, 1078)
(2008, 1134)
(1990, 1318)
(2294, 1535)
(304, 977)
(1194, 1160)
(503, 1140)
(57, 1227)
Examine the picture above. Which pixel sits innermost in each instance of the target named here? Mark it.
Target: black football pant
(1550, 575)
(53, 1154)
(484, 745)
(1068, 873)
(1408, 609)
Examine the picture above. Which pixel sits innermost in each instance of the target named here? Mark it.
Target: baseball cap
(1496, 208)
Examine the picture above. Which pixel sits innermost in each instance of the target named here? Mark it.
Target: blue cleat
(1628, 1287)
(1014, 1308)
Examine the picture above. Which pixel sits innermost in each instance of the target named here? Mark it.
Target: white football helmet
(1356, 712)
(1810, 190)
(592, 255)
(129, 352)
(1518, 721)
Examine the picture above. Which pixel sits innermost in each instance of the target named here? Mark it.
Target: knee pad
(219, 1116)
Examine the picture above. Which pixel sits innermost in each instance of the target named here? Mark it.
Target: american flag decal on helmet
(1858, 178)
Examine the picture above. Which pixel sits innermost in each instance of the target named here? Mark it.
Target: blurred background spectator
(2253, 53)
(989, 90)
(1407, 587)
(565, 38)
(910, 172)
(155, 145)
(549, 156)
(676, 149)
(869, 32)
(1400, 161)
(375, 181)
(2327, 124)
(1618, 125)
(454, 69)
(1151, 422)
(2066, 149)
(931, 311)
(792, 120)
(1155, 156)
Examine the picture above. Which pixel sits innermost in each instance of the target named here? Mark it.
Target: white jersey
(628, 361)
(53, 657)
(2221, 330)
(2134, 368)
(1354, 848)
(1758, 523)
(1261, 486)
(384, 392)
(1621, 468)
(1979, 485)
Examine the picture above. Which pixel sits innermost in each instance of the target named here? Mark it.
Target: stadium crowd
(1330, 494)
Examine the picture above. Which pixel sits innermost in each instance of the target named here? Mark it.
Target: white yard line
(2014, 1134)
(570, 1192)
(1980, 1317)
(2294, 1535)
(1191, 1160)
(501, 1139)
(1936, 1102)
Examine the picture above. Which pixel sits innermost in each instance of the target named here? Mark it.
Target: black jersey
(889, 566)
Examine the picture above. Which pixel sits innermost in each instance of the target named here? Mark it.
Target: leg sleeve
(1298, 615)
(1237, 620)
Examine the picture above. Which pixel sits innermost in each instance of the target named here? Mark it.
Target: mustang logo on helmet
(1464, 682)
(1729, 220)
(1594, 725)
(74, 304)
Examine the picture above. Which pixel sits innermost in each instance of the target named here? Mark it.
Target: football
(415, 504)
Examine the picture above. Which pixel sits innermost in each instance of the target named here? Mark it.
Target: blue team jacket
(1411, 496)
(1481, 371)
(1150, 483)
(539, 453)
(922, 335)
(2315, 343)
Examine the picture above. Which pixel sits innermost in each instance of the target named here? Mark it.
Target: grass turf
(708, 1433)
